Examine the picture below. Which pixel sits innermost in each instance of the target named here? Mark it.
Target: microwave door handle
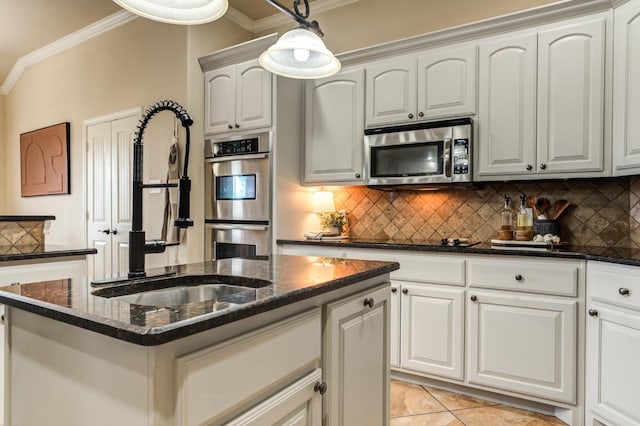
(447, 157)
(236, 157)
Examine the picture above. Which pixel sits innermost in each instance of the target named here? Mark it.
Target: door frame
(132, 112)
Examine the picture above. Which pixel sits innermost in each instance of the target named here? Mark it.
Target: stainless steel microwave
(420, 154)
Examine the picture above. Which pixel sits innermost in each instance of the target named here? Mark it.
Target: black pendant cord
(301, 18)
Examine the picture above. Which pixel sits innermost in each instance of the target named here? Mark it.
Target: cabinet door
(571, 62)
(253, 96)
(391, 95)
(507, 106)
(220, 100)
(356, 360)
(395, 321)
(522, 343)
(447, 82)
(613, 371)
(297, 405)
(432, 330)
(334, 131)
(626, 89)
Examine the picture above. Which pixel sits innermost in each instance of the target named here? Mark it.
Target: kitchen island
(310, 340)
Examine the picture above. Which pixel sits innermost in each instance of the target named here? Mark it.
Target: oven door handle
(237, 157)
(447, 157)
(231, 226)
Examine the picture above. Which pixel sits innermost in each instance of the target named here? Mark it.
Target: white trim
(106, 24)
(234, 15)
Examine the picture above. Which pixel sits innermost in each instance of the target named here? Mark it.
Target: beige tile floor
(421, 405)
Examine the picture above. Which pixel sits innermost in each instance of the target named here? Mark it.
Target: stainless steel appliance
(419, 155)
(238, 196)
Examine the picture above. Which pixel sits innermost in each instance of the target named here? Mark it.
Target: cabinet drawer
(429, 269)
(525, 275)
(618, 285)
(248, 367)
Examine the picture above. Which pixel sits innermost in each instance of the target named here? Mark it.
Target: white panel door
(220, 100)
(447, 82)
(356, 360)
(391, 94)
(334, 131)
(571, 63)
(613, 371)
(521, 343)
(507, 106)
(432, 330)
(253, 96)
(109, 165)
(626, 89)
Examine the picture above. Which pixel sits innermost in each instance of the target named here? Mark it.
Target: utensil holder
(546, 226)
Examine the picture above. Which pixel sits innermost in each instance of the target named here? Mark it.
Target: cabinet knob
(474, 298)
(593, 312)
(369, 302)
(518, 277)
(543, 166)
(410, 115)
(394, 290)
(114, 231)
(529, 167)
(405, 290)
(320, 387)
(623, 291)
(230, 126)
(237, 126)
(357, 175)
(105, 231)
(421, 114)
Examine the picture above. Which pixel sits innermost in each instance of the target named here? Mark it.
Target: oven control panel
(240, 146)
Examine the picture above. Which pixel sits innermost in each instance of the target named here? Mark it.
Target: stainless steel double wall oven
(238, 196)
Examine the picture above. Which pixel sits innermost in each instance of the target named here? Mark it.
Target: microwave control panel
(461, 156)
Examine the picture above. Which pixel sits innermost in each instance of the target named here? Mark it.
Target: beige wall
(143, 62)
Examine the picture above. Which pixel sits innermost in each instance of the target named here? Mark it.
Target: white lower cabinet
(432, 329)
(523, 343)
(356, 360)
(613, 344)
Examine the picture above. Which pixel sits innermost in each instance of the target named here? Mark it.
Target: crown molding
(238, 53)
(93, 30)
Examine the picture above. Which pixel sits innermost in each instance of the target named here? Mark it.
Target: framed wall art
(44, 161)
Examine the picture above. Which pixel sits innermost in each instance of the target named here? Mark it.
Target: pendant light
(184, 12)
(300, 53)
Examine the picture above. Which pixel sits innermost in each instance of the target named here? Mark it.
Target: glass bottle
(522, 220)
(507, 215)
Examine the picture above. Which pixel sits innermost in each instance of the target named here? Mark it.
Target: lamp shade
(323, 202)
(300, 53)
(185, 12)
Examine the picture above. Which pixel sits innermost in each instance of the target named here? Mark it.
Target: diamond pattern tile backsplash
(603, 212)
(21, 233)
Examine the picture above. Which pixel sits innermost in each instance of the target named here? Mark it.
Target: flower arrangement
(335, 221)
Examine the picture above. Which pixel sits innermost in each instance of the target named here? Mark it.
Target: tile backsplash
(603, 212)
(21, 233)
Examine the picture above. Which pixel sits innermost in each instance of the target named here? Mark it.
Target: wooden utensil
(543, 205)
(558, 208)
(531, 203)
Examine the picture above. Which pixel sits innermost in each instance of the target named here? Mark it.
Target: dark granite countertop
(24, 218)
(290, 279)
(30, 252)
(620, 255)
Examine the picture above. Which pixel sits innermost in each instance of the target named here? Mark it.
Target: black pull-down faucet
(138, 245)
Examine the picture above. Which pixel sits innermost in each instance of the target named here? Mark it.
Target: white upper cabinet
(507, 105)
(237, 97)
(334, 129)
(542, 103)
(626, 89)
(447, 82)
(571, 66)
(433, 84)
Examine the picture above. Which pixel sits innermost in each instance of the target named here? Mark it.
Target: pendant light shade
(300, 53)
(185, 12)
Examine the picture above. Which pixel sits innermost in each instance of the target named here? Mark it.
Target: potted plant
(335, 222)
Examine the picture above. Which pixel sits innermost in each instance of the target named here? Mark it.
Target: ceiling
(27, 25)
